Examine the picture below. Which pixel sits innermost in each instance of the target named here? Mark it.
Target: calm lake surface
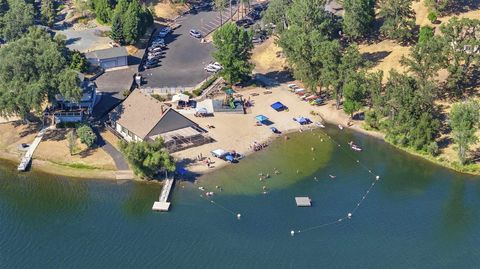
(418, 215)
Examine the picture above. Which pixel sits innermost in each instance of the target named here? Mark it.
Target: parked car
(155, 53)
(164, 32)
(195, 33)
(157, 45)
(216, 65)
(154, 49)
(213, 67)
(158, 41)
(154, 57)
(148, 66)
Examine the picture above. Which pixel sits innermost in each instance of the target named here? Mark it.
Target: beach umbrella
(261, 118)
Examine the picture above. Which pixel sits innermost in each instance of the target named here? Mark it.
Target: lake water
(418, 215)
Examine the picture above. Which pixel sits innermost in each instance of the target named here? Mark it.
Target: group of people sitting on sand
(258, 146)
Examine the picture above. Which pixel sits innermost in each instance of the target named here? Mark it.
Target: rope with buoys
(238, 215)
(359, 203)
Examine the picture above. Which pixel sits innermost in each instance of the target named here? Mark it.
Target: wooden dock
(162, 204)
(27, 158)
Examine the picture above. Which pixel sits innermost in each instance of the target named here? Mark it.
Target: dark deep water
(418, 215)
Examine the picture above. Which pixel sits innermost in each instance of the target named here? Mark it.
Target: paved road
(116, 155)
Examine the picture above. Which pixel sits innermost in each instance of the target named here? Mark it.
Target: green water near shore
(417, 216)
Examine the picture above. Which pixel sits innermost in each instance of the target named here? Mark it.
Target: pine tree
(359, 17)
(48, 12)
(103, 11)
(132, 22)
(116, 33)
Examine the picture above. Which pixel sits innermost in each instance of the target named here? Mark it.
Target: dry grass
(13, 134)
(265, 57)
(54, 148)
(164, 10)
(393, 52)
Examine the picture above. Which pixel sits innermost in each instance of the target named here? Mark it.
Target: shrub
(159, 97)
(86, 135)
(432, 148)
(372, 119)
(432, 17)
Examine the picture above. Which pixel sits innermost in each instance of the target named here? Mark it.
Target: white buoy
(377, 177)
(349, 215)
(239, 216)
(292, 232)
(313, 148)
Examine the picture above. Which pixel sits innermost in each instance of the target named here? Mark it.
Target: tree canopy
(86, 135)
(464, 121)
(399, 19)
(359, 17)
(147, 158)
(277, 14)
(461, 37)
(16, 20)
(32, 70)
(233, 48)
(310, 30)
(129, 21)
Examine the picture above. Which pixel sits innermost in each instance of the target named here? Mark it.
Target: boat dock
(162, 204)
(27, 158)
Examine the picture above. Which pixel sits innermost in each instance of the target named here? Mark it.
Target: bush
(86, 135)
(432, 148)
(432, 17)
(159, 97)
(426, 33)
(206, 84)
(372, 119)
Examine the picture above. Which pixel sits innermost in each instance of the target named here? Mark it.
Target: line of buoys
(358, 204)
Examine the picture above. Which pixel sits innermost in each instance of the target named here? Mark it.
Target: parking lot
(185, 56)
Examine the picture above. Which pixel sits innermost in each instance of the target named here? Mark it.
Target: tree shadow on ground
(376, 57)
(71, 41)
(461, 6)
(31, 128)
(56, 135)
(182, 171)
(86, 152)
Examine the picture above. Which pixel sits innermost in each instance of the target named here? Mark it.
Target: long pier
(162, 204)
(27, 158)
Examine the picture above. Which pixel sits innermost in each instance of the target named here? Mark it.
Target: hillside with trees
(407, 95)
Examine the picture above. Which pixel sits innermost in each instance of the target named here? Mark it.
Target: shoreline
(240, 135)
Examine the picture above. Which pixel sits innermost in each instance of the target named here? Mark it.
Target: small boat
(356, 148)
(340, 127)
(209, 194)
(332, 176)
(201, 188)
(319, 124)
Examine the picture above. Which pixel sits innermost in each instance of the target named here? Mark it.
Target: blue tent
(229, 158)
(278, 106)
(261, 118)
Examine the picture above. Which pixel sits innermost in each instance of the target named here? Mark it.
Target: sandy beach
(239, 131)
